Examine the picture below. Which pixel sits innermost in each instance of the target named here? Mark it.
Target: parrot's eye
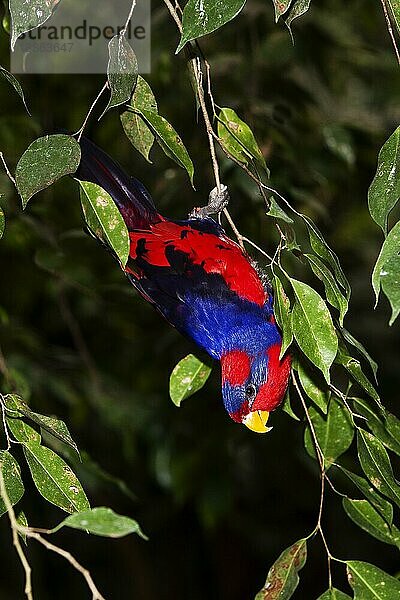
(251, 392)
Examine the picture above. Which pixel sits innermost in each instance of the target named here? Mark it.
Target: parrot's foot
(217, 201)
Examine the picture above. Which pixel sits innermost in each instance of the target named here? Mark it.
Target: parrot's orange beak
(256, 421)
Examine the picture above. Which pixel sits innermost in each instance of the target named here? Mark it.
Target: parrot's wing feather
(131, 197)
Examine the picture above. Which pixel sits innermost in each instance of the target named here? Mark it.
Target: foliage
(333, 378)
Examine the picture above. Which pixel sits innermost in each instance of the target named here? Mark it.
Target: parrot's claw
(217, 201)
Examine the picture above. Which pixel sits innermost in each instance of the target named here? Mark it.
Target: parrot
(205, 285)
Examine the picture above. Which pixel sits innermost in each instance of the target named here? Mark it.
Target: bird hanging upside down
(204, 285)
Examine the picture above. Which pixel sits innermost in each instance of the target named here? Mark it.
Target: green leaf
(332, 291)
(376, 465)
(46, 160)
(238, 138)
(334, 594)
(187, 378)
(281, 7)
(334, 431)
(283, 578)
(387, 271)
(134, 126)
(314, 386)
(54, 479)
(390, 439)
(23, 521)
(204, 16)
(366, 517)
(353, 366)
(339, 142)
(395, 10)
(101, 521)
(371, 583)
(276, 211)
(384, 190)
(298, 9)
(28, 15)
(2, 222)
(282, 314)
(320, 247)
(53, 425)
(350, 339)
(384, 507)
(12, 480)
(122, 70)
(15, 83)
(287, 407)
(169, 140)
(313, 328)
(104, 219)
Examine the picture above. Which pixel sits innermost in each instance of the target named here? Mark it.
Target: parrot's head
(253, 386)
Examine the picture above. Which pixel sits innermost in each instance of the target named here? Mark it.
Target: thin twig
(390, 30)
(3, 160)
(15, 528)
(174, 14)
(80, 131)
(96, 595)
(133, 6)
(3, 418)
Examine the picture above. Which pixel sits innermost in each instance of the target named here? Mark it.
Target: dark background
(218, 503)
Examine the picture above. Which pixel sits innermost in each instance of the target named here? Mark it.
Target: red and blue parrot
(206, 286)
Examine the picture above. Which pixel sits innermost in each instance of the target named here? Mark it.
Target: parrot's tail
(133, 200)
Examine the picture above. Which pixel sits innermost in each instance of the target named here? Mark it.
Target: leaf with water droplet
(102, 521)
(187, 378)
(27, 15)
(54, 479)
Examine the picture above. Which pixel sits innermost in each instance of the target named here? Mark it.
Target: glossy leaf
(187, 378)
(54, 479)
(334, 594)
(282, 314)
(298, 9)
(134, 126)
(366, 517)
(378, 427)
(2, 222)
(287, 407)
(334, 431)
(384, 191)
(44, 162)
(280, 6)
(313, 328)
(387, 270)
(314, 386)
(350, 339)
(276, 211)
(12, 480)
(283, 578)
(122, 70)
(28, 15)
(21, 431)
(169, 140)
(384, 507)
(353, 366)
(376, 465)
(332, 291)
(238, 138)
(104, 219)
(320, 247)
(371, 583)
(204, 16)
(15, 83)
(23, 521)
(55, 426)
(395, 10)
(101, 521)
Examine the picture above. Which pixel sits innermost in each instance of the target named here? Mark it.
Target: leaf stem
(390, 30)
